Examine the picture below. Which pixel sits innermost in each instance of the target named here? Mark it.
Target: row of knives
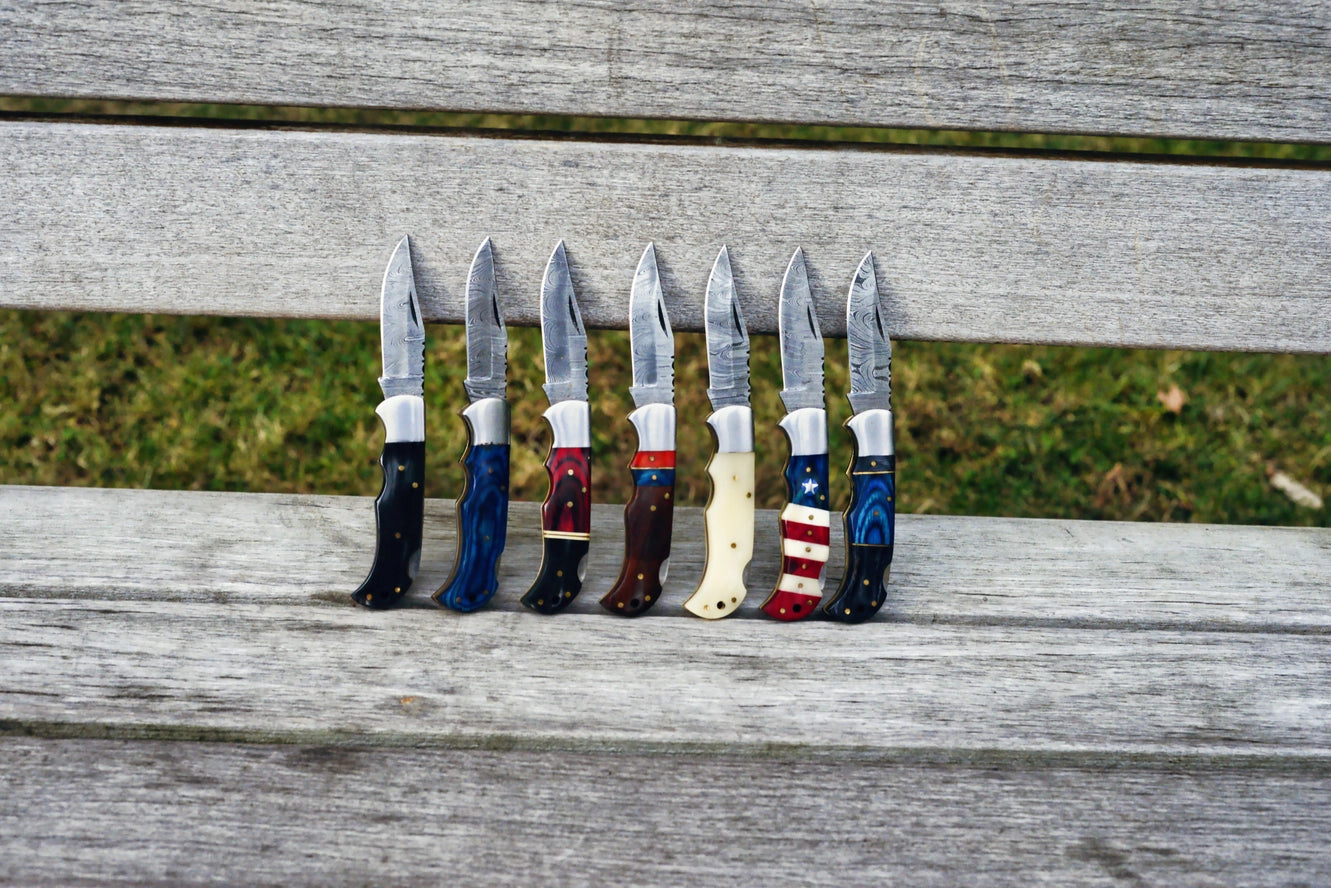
(566, 514)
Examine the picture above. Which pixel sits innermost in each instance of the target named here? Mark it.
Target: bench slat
(743, 687)
(1235, 69)
(277, 548)
(976, 248)
(194, 813)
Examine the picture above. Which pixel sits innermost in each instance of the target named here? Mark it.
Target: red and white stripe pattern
(805, 535)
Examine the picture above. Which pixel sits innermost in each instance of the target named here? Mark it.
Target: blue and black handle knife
(400, 508)
(870, 518)
(483, 506)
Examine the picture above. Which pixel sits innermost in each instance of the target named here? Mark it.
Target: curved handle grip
(870, 528)
(728, 521)
(399, 512)
(482, 520)
(648, 521)
(805, 538)
(566, 528)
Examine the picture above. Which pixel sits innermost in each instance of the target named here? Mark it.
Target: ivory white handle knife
(728, 517)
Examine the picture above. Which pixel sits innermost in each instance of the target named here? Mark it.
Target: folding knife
(728, 517)
(566, 515)
(400, 508)
(870, 518)
(483, 506)
(650, 512)
(804, 520)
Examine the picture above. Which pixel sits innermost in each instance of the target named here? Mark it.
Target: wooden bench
(187, 696)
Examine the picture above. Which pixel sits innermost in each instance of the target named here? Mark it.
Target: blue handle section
(482, 525)
(871, 516)
(870, 530)
(653, 477)
(807, 480)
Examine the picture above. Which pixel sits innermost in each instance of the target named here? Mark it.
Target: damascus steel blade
(400, 327)
(727, 339)
(869, 346)
(801, 340)
(487, 338)
(563, 337)
(651, 341)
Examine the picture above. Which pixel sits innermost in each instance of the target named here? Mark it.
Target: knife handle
(649, 515)
(482, 508)
(566, 515)
(805, 521)
(870, 520)
(728, 517)
(399, 510)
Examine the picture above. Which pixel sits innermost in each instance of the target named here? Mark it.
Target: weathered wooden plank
(229, 547)
(149, 813)
(985, 248)
(1235, 69)
(744, 687)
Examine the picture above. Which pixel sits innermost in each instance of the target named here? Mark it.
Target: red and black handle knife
(566, 514)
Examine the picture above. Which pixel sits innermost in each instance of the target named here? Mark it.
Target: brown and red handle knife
(649, 515)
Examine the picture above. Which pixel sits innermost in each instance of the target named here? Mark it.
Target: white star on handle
(810, 486)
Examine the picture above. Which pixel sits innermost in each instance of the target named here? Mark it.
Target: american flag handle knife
(805, 520)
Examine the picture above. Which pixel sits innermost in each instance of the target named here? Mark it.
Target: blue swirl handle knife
(400, 507)
(870, 518)
(483, 506)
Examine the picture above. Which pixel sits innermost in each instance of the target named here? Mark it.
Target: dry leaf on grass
(1295, 491)
(1173, 399)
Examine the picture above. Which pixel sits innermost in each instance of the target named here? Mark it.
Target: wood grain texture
(153, 813)
(980, 248)
(1234, 69)
(588, 682)
(230, 548)
(648, 526)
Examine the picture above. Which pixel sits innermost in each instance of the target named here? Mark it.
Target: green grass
(264, 405)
